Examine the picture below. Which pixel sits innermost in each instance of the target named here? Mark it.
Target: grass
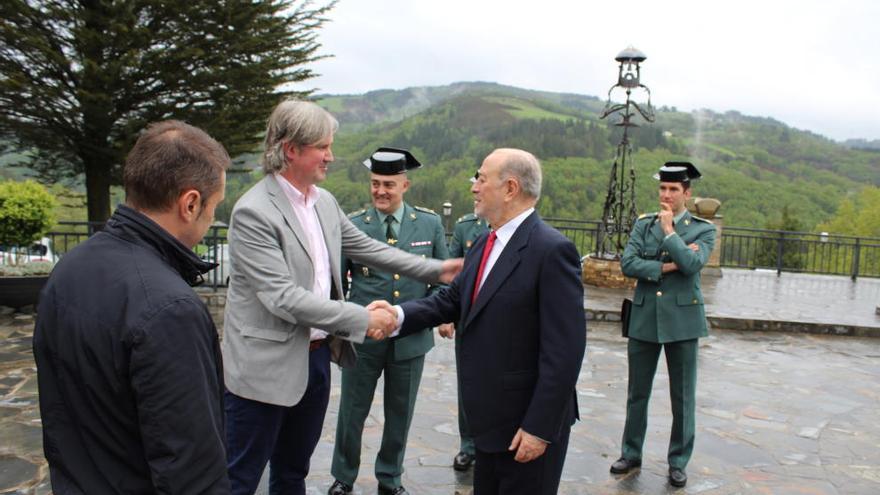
(523, 109)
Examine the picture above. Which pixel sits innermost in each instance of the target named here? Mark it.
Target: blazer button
(396, 276)
(659, 293)
(695, 301)
(397, 293)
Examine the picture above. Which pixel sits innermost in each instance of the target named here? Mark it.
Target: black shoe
(462, 461)
(400, 490)
(677, 477)
(339, 488)
(622, 466)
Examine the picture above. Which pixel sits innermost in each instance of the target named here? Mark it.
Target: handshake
(383, 320)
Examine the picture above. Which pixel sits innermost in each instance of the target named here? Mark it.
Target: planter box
(17, 292)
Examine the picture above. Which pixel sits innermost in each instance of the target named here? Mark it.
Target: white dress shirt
(503, 235)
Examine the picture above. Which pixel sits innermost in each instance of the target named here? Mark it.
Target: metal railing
(804, 252)
(583, 233)
(747, 248)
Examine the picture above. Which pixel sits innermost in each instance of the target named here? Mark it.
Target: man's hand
(451, 267)
(694, 247)
(446, 330)
(383, 319)
(527, 446)
(382, 305)
(665, 216)
(668, 267)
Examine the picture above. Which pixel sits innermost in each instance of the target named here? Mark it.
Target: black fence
(803, 252)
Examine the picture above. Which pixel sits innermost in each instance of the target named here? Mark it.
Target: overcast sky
(812, 64)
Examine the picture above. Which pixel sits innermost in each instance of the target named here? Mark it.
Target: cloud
(810, 64)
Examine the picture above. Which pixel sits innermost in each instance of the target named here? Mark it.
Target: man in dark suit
(665, 252)
(519, 302)
(467, 230)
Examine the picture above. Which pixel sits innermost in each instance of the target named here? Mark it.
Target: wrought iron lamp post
(619, 212)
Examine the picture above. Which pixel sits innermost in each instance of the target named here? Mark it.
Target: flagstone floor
(777, 413)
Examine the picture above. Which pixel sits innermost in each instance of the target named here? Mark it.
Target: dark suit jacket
(522, 342)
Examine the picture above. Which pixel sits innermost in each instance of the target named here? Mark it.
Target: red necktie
(486, 250)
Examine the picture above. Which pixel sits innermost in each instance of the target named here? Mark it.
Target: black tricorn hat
(678, 172)
(391, 161)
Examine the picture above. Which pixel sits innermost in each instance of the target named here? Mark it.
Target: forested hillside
(755, 166)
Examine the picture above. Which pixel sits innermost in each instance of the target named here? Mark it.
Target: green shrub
(27, 212)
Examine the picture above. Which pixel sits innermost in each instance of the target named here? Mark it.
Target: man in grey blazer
(285, 314)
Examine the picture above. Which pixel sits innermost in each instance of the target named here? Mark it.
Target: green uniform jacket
(421, 233)
(466, 231)
(667, 307)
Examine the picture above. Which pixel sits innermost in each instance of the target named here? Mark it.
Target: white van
(39, 251)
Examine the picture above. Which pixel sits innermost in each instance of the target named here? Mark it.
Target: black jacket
(129, 367)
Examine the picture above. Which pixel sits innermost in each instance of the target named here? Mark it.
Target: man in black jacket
(128, 359)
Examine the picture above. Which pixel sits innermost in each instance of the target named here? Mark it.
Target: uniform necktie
(486, 250)
(389, 231)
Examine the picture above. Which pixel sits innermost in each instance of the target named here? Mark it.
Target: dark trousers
(499, 474)
(402, 380)
(464, 431)
(285, 437)
(681, 362)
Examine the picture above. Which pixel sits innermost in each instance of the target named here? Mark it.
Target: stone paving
(761, 300)
(778, 413)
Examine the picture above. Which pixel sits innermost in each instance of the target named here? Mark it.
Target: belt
(316, 344)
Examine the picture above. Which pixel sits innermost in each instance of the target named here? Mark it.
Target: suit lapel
(375, 228)
(469, 275)
(508, 260)
(279, 199)
(684, 224)
(656, 230)
(407, 227)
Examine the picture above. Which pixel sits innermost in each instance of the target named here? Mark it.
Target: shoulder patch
(647, 215)
(425, 210)
(357, 213)
(470, 217)
(701, 219)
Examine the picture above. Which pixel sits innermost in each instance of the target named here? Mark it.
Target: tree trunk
(98, 190)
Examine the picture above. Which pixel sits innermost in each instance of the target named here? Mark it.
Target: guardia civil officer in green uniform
(415, 230)
(666, 252)
(467, 229)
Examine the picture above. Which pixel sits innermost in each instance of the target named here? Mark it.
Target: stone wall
(605, 273)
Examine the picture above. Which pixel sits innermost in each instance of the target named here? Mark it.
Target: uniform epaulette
(647, 215)
(425, 210)
(357, 213)
(469, 217)
(701, 219)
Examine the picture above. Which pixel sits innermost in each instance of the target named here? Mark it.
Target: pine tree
(80, 78)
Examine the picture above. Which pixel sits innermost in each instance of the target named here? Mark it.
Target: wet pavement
(761, 300)
(777, 412)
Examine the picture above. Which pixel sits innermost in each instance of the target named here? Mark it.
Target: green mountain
(756, 166)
